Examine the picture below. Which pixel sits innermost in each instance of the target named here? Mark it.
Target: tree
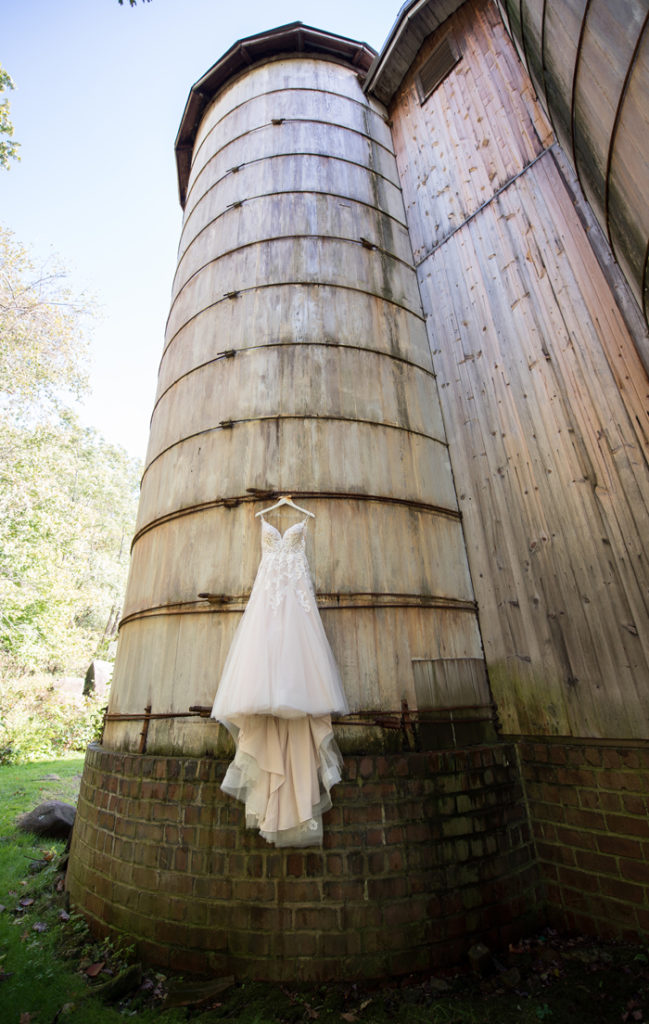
(8, 145)
(67, 511)
(67, 497)
(43, 350)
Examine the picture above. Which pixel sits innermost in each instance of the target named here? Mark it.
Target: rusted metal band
(368, 171)
(230, 353)
(282, 192)
(208, 603)
(293, 284)
(616, 124)
(338, 128)
(523, 40)
(255, 495)
(353, 718)
(276, 417)
(338, 239)
(365, 107)
(544, 69)
(645, 285)
(573, 94)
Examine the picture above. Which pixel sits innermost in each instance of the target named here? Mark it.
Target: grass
(50, 966)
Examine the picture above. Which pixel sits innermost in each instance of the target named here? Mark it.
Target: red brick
(626, 825)
(583, 777)
(576, 879)
(556, 854)
(557, 754)
(585, 819)
(618, 846)
(366, 767)
(582, 840)
(626, 891)
(629, 781)
(634, 804)
(635, 871)
(587, 860)
(258, 889)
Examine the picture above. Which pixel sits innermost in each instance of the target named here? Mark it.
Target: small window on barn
(441, 61)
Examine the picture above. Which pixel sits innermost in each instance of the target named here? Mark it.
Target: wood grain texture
(457, 149)
(296, 361)
(589, 60)
(546, 406)
(295, 313)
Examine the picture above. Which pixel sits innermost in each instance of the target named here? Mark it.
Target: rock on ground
(52, 818)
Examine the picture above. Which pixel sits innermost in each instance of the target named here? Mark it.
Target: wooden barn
(411, 293)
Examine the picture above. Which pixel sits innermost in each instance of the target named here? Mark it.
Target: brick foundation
(588, 806)
(424, 854)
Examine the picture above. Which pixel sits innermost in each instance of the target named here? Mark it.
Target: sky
(100, 91)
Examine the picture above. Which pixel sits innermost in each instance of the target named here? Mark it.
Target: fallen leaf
(48, 854)
(26, 901)
(39, 926)
(351, 1017)
(63, 915)
(26, 1018)
(95, 969)
(2, 907)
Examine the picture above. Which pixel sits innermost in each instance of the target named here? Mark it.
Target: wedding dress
(279, 688)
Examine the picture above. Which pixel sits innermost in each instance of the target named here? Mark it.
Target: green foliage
(38, 722)
(43, 348)
(67, 497)
(8, 145)
(67, 511)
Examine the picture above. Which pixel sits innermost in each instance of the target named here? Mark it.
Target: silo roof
(415, 21)
(293, 39)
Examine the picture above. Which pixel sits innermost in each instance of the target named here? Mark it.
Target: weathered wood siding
(544, 398)
(296, 361)
(589, 61)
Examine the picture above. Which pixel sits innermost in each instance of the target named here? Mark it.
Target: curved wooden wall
(545, 400)
(296, 361)
(589, 62)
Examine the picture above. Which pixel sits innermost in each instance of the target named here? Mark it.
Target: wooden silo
(297, 361)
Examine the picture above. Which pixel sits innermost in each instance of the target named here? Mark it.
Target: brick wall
(588, 806)
(423, 854)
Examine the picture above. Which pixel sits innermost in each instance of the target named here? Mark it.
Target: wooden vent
(442, 60)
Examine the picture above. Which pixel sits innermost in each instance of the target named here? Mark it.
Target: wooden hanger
(285, 500)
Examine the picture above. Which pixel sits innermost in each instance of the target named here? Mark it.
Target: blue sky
(100, 91)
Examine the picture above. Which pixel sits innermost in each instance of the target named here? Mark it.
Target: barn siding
(544, 397)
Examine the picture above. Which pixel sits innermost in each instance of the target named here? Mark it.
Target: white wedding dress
(279, 688)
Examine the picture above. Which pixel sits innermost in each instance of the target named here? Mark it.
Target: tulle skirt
(279, 687)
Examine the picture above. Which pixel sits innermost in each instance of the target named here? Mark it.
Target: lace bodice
(284, 564)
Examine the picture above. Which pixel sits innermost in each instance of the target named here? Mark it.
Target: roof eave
(416, 20)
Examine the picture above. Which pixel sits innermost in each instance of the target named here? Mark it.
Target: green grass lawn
(50, 966)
